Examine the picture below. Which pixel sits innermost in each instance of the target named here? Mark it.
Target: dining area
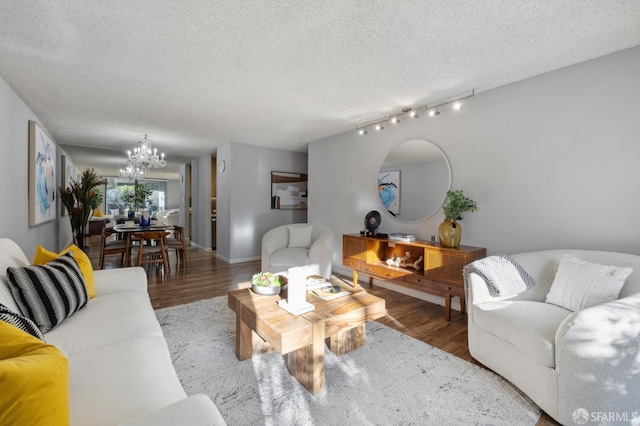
(144, 244)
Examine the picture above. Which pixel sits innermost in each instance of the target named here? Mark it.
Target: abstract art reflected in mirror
(288, 191)
(413, 180)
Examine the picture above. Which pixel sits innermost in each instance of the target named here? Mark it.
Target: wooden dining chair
(152, 249)
(179, 243)
(110, 246)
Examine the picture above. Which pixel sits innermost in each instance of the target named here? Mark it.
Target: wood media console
(440, 271)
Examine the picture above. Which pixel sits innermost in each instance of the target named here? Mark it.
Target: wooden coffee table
(262, 325)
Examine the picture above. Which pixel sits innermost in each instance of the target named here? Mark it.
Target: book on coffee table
(315, 282)
(330, 292)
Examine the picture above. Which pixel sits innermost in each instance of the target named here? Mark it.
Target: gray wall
(244, 198)
(173, 194)
(201, 201)
(14, 166)
(552, 162)
(184, 204)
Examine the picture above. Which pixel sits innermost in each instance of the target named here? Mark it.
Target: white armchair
(168, 217)
(563, 360)
(298, 244)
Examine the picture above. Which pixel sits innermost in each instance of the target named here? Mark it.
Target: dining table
(127, 229)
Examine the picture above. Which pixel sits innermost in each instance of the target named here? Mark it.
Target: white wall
(244, 211)
(552, 161)
(14, 166)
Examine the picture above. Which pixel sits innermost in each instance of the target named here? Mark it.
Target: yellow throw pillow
(44, 256)
(35, 380)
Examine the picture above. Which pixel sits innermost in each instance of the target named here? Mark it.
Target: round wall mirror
(413, 180)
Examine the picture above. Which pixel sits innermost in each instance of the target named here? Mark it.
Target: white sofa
(120, 370)
(295, 245)
(563, 360)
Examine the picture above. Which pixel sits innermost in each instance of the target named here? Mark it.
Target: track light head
(432, 110)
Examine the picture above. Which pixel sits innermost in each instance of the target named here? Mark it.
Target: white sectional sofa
(120, 370)
(578, 366)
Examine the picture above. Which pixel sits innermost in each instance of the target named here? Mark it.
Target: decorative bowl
(266, 291)
(267, 283)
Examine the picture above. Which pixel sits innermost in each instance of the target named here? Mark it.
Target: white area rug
(393, 380)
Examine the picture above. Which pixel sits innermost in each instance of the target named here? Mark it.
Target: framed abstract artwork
(389, 191)
(288, 191)
(67, 176)
(42, 176)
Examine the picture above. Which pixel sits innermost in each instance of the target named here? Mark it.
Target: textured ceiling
(194, 75)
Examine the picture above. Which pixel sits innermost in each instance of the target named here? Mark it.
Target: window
(141, 195)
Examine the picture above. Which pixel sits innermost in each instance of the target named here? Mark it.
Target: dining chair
(152, 249)
(110, 246)
(179, 243)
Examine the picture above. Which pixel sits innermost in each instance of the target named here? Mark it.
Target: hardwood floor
(205, 276)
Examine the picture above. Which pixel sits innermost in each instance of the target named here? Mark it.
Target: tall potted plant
(450, 230)
(136, 196)
(78, 198)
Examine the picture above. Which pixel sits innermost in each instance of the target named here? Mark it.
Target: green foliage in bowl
(268, 279)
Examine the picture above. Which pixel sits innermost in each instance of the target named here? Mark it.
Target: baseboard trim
(237, 260)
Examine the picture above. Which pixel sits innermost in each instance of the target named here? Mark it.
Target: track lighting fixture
(431, 110)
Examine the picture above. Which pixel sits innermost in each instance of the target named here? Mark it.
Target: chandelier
(142, 159)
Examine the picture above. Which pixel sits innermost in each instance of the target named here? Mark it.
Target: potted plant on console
(450, 230)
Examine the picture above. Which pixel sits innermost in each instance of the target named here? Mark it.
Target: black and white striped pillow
(48, 293)
(22, 322)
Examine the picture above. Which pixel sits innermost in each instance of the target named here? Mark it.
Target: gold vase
(450, 232)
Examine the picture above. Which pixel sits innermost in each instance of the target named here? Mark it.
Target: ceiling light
(413, 112)
(142, 159)
(131, 173)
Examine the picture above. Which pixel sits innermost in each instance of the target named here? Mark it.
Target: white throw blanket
(502, 273)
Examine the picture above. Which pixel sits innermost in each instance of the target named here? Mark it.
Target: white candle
(297, 287)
